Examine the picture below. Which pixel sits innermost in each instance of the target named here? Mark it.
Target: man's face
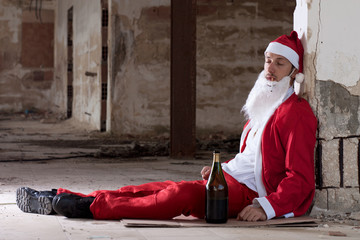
(276, 67)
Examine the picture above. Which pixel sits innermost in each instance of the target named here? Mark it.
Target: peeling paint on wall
(141, 67)
(25, 79)
(11, 15)
(338, 110)
(122, 47)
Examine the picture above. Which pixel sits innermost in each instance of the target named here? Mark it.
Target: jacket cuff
(265, 204)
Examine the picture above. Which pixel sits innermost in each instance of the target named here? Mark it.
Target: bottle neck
(216, 158)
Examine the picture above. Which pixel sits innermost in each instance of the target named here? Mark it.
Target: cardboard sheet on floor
(183, 221)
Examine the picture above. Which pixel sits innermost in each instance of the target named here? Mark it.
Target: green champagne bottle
(216, 205)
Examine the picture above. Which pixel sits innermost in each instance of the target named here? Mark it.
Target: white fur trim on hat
(284, 51)
(298, 86)
(299, 77)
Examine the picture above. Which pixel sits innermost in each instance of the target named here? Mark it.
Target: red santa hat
(291, 48)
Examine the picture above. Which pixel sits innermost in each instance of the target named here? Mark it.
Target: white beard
(264, 98)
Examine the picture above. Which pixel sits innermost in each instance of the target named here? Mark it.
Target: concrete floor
(27, 161)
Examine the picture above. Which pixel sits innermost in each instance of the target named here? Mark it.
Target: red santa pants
(163, 200)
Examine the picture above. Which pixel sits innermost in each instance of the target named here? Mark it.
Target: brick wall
(337, 165)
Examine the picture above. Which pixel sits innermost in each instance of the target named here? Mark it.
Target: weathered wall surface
(26, 56)
(86, 58)
(59, 93)
(231, 39)
(140, 60)
(333, 77)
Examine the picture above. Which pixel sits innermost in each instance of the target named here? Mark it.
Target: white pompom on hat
(292, 49)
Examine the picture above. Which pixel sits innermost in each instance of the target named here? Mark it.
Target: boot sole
(29, 203)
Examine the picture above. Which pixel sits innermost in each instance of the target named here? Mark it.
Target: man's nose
(271, 68)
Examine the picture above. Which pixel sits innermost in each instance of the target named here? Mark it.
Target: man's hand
(252, 214)
(205, 172)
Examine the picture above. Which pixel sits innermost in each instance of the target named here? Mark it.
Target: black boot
(72, 206)
(32, 201)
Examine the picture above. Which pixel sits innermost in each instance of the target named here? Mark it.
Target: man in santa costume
(271, 176)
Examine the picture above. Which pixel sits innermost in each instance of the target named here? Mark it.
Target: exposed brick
(320, 199)
(204, 2)
(38, 80)
(270, 32)
(330, 163)
(38, 76)
(276, 10)
(351, 162)
(10, 58)
(37, 45)
(344, 199)
(338, 111)
(206, 10)
(156, 13)
(49, 75)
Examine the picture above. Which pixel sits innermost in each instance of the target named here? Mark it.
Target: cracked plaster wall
(331, 63)
(332, 55)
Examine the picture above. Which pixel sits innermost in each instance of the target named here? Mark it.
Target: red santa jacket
(287, 150)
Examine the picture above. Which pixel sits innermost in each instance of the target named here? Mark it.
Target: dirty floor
(46, 154)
